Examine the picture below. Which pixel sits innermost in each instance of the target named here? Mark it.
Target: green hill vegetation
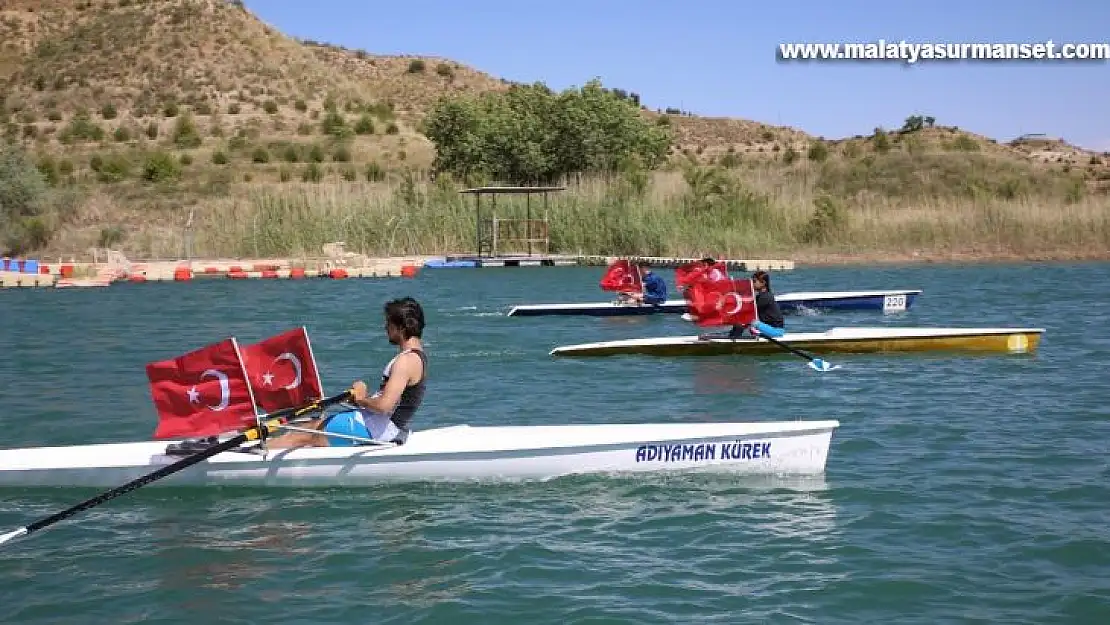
(131, 124)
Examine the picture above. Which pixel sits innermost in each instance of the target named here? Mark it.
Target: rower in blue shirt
(655, 288)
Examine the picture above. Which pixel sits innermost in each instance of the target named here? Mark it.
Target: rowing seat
(191, 446)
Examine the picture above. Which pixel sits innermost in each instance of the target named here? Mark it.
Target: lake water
(958, 489)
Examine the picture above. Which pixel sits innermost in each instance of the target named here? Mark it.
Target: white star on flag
(268, 378)
(194, 396)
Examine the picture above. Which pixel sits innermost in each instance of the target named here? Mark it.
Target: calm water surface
(958, 489)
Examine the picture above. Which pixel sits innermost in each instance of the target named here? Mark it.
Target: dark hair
(762, 275)
(407, 315)
(709, 260)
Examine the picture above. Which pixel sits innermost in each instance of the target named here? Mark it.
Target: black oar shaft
(789, 348)
(184, 463)
(273, 421)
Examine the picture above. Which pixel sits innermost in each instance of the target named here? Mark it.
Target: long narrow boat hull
(458, 453)
(879, 301)
(836, 340)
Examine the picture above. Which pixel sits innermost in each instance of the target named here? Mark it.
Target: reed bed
(743, 212)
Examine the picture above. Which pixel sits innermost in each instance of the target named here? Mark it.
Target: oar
(253, 433)
(816, 363)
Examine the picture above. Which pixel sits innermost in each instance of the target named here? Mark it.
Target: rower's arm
(405, 370)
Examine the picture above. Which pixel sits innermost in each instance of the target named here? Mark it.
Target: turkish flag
(622, 277)
(282, 371)
(691, 273)
(722, 303)
(201, 393)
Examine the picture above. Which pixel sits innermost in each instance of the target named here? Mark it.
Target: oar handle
(272, 422)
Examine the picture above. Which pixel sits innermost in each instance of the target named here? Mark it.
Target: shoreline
(947, 258)
(800, 260)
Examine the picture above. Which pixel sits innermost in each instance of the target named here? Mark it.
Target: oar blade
(820, 365)
(13, 535)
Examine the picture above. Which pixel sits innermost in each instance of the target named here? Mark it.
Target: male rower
(655, 288)
(385, 415)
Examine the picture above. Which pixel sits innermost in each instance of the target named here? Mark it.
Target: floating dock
(470, 262)
(339, 265)
(13, 279)
(673, 261)
(34, 273)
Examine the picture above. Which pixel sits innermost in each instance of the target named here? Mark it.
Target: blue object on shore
(443, 263)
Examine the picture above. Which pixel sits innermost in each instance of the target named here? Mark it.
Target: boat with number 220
(879, 301)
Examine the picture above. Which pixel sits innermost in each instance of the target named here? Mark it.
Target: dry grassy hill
(150, 107)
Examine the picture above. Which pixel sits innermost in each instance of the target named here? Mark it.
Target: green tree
(531, 134)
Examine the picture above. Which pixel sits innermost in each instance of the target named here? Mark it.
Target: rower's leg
(346, 424)
(289, 440)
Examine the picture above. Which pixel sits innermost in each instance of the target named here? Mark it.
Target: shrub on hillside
(161, 167)
(111, 169)
(374, 172)
(185, 133)
(364, 125)
(335, 125)
(312, 173)
(30, 211)
(81, 128)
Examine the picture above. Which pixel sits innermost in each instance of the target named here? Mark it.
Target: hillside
(151, 110)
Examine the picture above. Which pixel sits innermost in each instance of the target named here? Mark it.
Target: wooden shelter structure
(495, 235)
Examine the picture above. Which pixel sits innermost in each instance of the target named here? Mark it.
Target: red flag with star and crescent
(691, 273)
(201, 393)
(622, 277)
(282, 371)
(722, 302)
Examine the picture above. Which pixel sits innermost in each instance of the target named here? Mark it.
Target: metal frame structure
(486, 231)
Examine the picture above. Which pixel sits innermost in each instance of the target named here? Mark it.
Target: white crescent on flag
(225, 388)
(296, 362)
(715, 274)
(735, 297)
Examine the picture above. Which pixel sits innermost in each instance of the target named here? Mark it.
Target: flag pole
(258, 423)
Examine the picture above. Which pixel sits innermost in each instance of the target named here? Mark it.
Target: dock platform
(472, 262)
(672, 261)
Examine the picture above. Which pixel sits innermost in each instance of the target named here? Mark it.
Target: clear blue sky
(718, 58)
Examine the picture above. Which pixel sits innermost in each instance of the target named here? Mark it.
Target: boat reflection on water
(715, 377)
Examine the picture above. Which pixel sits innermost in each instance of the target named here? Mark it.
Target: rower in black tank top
(412, 396)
